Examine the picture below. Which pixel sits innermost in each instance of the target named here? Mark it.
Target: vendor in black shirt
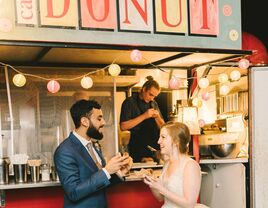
(141, 116)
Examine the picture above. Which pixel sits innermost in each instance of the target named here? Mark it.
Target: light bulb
(174, 83)
(223, 78)
(243, 64)
(19, 80)
(136, 55)
(224, 90)
(86, 82)
(53, 86)
(203, 83)
(235, 75)
(195, 101)
(114, 70)
(205, 96)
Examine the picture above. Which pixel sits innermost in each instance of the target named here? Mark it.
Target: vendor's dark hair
(82, 108)
(180, 135)
(150, 83)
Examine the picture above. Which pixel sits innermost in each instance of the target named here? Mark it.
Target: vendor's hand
(154, 183)
(149, 113)
(116, 163)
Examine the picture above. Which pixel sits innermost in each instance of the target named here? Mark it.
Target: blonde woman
(179, 183)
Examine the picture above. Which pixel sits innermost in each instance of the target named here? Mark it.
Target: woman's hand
(154, 183)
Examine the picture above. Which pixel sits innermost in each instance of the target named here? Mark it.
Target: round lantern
(201, 123)
(136, 55)
(53, 86)
(235, 75)
(114, 70)
(243, 64)
(195, 101)
(223, 78)
(250, 42)
(174, 83)
(19, 80)
(86, 82)
(224, 90)
(205, 96)
(203, 83)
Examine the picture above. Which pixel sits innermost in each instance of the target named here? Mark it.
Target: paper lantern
(224, 90)
(53, 86)
(235, 75)
(203, 83)
(201, 123)
(114, 70)
(174, 83)
(243, 64)
(195, 101)
(250, 42)
(136, 55)
(19, 80)
(86, 82)
(205, 96)
(223, 78)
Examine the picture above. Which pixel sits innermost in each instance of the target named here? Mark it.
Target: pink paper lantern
(136, 55)
(243, 64)
(5, 25)
(174, 83)
(205, 96)
(53, 86)
(201, 123)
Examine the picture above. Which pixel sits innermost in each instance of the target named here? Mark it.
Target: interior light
(19, 80)
(223, 78)
(235, 75)
(203, 83)
(135, 55)
(53, 86)
(86, 82)
(224, 90)
(114, 70)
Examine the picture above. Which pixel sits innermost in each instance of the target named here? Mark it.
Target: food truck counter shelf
(29, 185)
(216, 161)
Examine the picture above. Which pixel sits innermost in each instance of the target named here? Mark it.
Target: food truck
(53, 53)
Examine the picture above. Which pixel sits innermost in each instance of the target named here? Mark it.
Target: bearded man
(82, 170)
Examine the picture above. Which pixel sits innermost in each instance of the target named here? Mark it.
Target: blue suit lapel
(83, 152)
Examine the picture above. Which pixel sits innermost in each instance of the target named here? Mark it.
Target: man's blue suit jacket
(83, 183)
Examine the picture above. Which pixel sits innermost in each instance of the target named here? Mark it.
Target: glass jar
(45, 172)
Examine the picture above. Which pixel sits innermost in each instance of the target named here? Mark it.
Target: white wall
(259, 86)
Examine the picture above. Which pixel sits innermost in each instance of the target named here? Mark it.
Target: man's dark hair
(82, 108)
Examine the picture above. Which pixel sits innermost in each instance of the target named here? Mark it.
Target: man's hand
(116, 163)
(126, 168)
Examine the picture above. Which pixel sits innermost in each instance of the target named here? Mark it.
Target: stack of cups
(34, 170)
(19, 162)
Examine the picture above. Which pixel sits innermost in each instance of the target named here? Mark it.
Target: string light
(114, 70)
(135, 55)
(174, 83)
(203, 83)
(243, 64)
(53, 86)
(235, 75)
(86, 82)
(224, 90)
(19, 80)
(223, 78)
(205, 96)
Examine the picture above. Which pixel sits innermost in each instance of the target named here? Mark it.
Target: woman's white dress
(174, 183)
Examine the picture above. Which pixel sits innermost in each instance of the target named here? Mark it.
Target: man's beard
(92, 132)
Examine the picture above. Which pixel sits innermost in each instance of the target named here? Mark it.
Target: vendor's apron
(146, 134)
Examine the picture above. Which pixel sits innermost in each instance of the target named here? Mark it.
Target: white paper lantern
(224, 90)
(114, 70)
(235, 75)
(19, 80)
(203, 83)
(86, 82)
(223, 78)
